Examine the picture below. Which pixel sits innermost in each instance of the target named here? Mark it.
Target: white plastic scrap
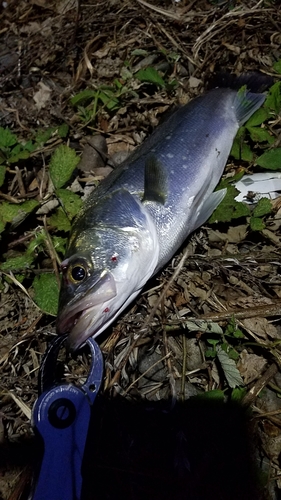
(256, 186)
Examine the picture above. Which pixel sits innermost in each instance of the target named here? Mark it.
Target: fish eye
(77, 273)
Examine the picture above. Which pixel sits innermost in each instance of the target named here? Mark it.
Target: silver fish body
(135, 220)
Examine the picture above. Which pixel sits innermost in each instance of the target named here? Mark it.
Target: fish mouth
(84, 316)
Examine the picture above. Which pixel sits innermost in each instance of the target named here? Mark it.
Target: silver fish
(136, 219)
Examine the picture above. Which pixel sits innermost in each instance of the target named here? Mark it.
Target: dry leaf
(42, 96)
(250, 366)
(234, 234)
(194, 82)
(64, 6)
(261, 327)
(237, 234)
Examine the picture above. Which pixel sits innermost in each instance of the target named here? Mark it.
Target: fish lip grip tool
(61, 417)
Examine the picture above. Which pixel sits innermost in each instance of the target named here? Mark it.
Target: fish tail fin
(249, 88)
(246, 103)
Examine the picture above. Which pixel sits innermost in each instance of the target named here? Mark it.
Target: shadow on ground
(197, 451)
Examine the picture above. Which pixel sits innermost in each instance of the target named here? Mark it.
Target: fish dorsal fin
(155, 181)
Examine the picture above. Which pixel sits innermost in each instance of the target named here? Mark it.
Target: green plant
(255, 136)
(23, 263)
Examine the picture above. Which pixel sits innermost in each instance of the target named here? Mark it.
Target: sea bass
(136, 219)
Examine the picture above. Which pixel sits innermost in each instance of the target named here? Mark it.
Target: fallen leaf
(232, 48)
(230, 369)
(261, 327)
(64, 6)
(194, 82)
(236, 234)
(250, 366)
(103, 52)
(48, 207)
(42, 96)
(94, 153)
(45, 4)
(271, 236)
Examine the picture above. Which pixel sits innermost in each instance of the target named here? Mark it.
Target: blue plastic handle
(61, 416)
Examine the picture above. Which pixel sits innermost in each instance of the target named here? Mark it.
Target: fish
(138, 217)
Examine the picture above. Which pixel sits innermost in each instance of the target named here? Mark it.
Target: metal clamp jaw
(61, 416)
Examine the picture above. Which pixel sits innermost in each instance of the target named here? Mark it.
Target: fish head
(103, 271)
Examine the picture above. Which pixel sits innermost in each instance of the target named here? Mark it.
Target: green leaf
(232, 330)
(29, 146)
(71, 202)
(16, 149)
(7, 139)
(215, 395)
(277, 67)
(83, 97)
(17, 263)
(229, 209)
(46, 293)
(210, 353)
(241, 151)
(273, 100)
(232, 353)
(238, 394)
(60, 221)
(109, 99)
(29, 205)
(213, 342)
(36, 242)
(270, 160)
(9, 212)
(63, 130)
(238, 334)
(262, 208)
(230, 370)
(256, 224)
(150, 75)
(59, 244)
(2, 174)
(44, 135)
(63, 162)
(260, 116)
(22, 155)
(259, 134)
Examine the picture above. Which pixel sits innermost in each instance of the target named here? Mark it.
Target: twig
(250, 312)
(52, 252)
(170, 369)
(146, 323)
(164, 292)
(259, 385)
(184, 360)
(20, 182)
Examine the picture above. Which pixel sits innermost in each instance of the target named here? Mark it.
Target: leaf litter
(209, 324)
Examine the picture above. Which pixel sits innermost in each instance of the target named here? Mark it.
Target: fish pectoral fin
(209, 205)
(155, 181)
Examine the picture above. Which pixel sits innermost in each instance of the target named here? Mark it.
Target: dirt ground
(149, 438)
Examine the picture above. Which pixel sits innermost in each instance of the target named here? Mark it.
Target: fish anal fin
(209, 205)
